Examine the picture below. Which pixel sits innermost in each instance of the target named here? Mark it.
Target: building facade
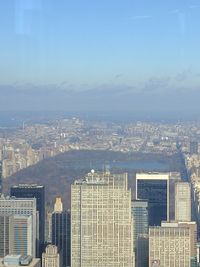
(101, 223)
(22, 235)
(38, 192)
(154, 187)
(173, 244)
(18, 260)
(20, 210)
(51, 257)
(5, 235)
(142, 252)
(61, 230)
(183, 202)
(1, 174)
(139, 210)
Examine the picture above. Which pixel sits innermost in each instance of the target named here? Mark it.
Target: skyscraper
(61, 223)
(1, 173)
(51, 257)
(154, 187)
(172, 244)
(38, 192)
(173, 179)
(183, 202)
(22, 235)
(21, 215)
(58, 206)
(101, 223)
(5, 235)
(139, 209)
(142, 253)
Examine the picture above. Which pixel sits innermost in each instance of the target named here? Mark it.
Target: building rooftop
(28, 186)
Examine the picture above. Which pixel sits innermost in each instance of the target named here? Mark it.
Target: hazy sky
(139, 45)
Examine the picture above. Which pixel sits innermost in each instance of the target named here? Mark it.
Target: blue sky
(133, 48)
(93, 43)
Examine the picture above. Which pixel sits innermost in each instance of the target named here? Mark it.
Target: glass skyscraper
(18, 224)
(61, 236)
(139, 210)
(154, 187)
(61, 229)
(38, 192)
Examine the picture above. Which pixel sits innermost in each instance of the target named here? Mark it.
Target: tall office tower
(154, 187)
(1, 173)
(48, 222)
(5, 235)
(139, 210)
(38, 192)
(58, 206)
(193, 241)
(172, 244)
(22, 235)
(61, 226)
(174, 177)
(101, 223)
(51, 258)
(142, 254)
(193, 147)
(183, 202)
(23, 209)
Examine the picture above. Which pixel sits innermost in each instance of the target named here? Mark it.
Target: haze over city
(99, 133)
(132, 57)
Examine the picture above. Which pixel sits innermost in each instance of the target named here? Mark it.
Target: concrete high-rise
(38, 192)
(183, 202)
(1, 174)
(172, 244)
(22, 223)
(101, 223)
(61, 226)
(174, 178)
(154, 187)
(58, 206)
(51, 257)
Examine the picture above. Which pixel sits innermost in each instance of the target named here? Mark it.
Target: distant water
(140, 165)
(16, 119)
(9, 121)
(124, 165)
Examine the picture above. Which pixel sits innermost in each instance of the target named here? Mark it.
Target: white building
(101, 224)
(51, 257)
(173, 244)
(18, 260)
(183, 202)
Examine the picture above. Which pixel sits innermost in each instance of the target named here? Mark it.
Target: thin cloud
(194, 6)
(118, 76)
(181, 16)
(141, 17)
